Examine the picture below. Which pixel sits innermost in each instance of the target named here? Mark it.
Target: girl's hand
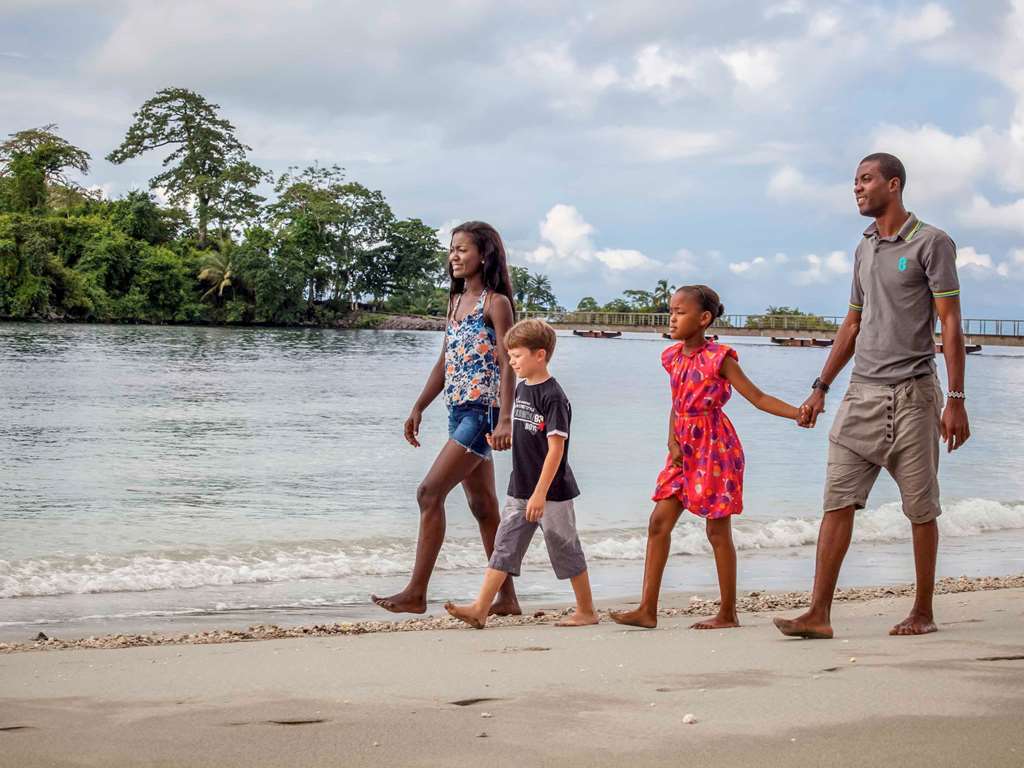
(412, 427)
(501, 438)
(676, 453)
(535, 508)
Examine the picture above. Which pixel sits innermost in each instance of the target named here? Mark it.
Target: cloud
(1013, 267)
(665, 144)
(789, 184)
(823, 269)
(567, 246)
(929, 23)
(939, 165)
(984, 215)
(969, 257)
(755, 68)
(658, 70)
(747, 268)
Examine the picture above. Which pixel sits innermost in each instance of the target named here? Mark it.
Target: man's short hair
(533, 335)
(890, 166)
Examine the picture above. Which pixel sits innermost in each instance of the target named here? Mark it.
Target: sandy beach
(532, 694)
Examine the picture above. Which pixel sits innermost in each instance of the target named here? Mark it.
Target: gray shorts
(895, 427)
(559, 526)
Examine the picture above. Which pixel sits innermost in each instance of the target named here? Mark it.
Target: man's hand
(412, 427)
(535, 508)
(676, 453)
(812, 407)
(954, 427)
(501, 438)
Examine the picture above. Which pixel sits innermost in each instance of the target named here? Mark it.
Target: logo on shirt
(902, 264)
(533, 422)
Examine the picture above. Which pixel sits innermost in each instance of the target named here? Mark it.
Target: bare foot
(467, 614)
(804, 627)
(637, 618)
(505, 606)
(915, 624)
(403, 602)
(718, 622)
(578, 619)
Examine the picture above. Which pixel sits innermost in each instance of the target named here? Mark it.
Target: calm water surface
(150, 475)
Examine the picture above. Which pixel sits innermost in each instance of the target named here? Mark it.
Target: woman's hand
(501, 438)
(412, 427)
(675, 452)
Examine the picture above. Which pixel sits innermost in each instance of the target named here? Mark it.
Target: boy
(542, 486)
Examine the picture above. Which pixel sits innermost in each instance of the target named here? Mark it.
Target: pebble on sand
(689, 718)
(486, 714)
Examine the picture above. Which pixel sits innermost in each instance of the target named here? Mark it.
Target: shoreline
(357, 320)
(673, 605)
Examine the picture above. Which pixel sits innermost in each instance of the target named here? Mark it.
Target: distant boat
(709, 338)
(802, 342)
(598, 334)
(970, 349)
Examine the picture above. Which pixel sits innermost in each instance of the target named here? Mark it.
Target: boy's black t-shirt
(540, 410)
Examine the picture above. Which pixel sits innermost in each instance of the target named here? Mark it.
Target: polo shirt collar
(906, 233)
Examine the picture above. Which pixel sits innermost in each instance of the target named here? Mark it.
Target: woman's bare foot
(804, 626)
(915, 624)
(718, 622)
(505, 606)
(637, 618)
(403, 602)
(578, 619)
(467, 614)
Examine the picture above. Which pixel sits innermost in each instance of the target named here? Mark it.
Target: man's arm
(954, 428)
(840, 354)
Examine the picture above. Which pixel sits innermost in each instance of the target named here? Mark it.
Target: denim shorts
(469, 424)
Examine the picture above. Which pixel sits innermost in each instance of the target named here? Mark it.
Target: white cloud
(823, 269)
(664, 144)
(1014, 266)
(658, 70)
(567, 246)
(929, 23)
(745, 268)
(756, 68)
(786, 8)
(823, 24)
(939, 165)
(790, 184)
(984, 215)
(444, 232)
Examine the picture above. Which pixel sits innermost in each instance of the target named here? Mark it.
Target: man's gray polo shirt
(895, 283)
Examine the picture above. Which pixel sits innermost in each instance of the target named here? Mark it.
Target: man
(904, 274)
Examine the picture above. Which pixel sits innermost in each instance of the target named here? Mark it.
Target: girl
(704, 469)
(474, 374)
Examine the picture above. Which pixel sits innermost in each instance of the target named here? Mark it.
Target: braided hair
(708, 299)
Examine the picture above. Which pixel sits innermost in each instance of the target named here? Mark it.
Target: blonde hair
(533, 335)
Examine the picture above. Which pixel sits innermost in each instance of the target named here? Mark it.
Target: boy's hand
(676, 453)
(535, 507)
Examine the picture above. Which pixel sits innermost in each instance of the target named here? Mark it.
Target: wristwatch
(819, 384)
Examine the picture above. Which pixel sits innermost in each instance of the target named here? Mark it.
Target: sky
(612, 144)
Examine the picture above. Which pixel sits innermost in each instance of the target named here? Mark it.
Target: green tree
(588, 304)
(662, 295)
(520, 277)
(639, 301)
(219, 273)
(207, 165)
(55, 155)
(540, 294)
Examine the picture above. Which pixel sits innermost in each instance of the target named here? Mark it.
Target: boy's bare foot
(505, 606)
(578, 619)
(403, 602)
(804, 627)
(467, 614)
(718, 622)
(637, 618)
(915, 624)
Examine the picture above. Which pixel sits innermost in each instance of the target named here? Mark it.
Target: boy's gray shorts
(559, 526)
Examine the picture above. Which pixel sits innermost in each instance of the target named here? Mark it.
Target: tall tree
(55, 154)
(662, 295)
(206, 163)
(520, 277)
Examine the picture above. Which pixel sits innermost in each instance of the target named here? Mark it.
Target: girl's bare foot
(505, 606)
(637, 618)
(578, 619)
(718, 622)
(467, 614)
(915, 624)
(403, 602)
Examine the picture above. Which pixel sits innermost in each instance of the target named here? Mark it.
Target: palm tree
(662, 295)
(219, 273)
(520, 277)
(540, 292)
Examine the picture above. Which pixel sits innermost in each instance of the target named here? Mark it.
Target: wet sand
(531, 694)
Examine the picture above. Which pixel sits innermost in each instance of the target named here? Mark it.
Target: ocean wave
(169, 570)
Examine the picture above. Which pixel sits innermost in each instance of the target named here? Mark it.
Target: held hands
(812, 407)
(535, 507)
(954, 426)
(501, 438)
(412, 427)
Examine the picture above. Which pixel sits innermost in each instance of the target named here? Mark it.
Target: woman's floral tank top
(471, 373)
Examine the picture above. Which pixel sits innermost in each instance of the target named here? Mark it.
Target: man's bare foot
(804, 627)
(578, 619)
(915, 624)
(467, 614)
(505, 606)
(637, 618)
(718, 622)
(403, 602)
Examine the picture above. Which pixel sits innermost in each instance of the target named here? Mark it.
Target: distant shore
(358, 320)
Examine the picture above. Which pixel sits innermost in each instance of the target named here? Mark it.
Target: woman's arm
(433, 387)
(535, 505)
(732, 373)
(501, 320)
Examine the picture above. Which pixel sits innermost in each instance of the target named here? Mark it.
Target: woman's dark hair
(707, 297)
(495, 264)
